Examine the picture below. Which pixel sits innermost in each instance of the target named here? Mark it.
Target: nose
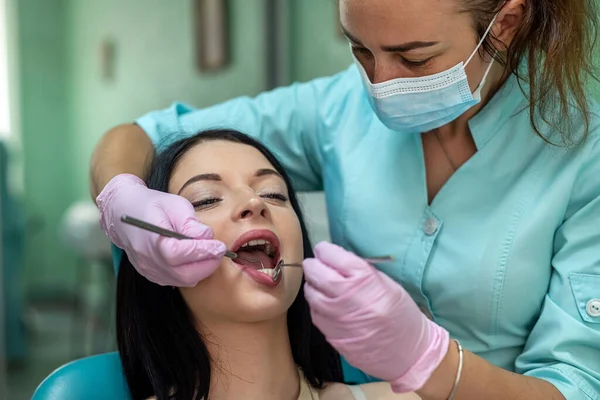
(251, 206)
(384, 71)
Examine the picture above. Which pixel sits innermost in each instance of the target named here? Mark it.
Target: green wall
(156, 47)
(317, 48)
(154, 65)
(45, 137)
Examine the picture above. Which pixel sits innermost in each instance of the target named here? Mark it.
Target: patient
(238, 334)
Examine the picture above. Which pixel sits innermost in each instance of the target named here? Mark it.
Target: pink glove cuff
(416, 377)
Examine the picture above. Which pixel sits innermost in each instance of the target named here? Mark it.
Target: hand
(162, 260)
(371, 320)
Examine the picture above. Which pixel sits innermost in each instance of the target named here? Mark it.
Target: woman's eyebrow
(267, 171)
(399, 48)
(350, 37)
(201, 177)
(406, 47)
(217, 177)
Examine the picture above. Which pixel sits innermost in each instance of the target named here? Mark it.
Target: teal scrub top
(506, 257)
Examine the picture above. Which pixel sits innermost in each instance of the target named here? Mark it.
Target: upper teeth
(255, 243)
(269, 248)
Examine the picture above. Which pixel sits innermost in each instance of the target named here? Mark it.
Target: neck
(251, 360)
(460, 127)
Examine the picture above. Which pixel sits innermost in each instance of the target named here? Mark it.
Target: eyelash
(214, 200)
(205, 202)
(409, 63)
(275, 196)
(415, 63)
(361, 50)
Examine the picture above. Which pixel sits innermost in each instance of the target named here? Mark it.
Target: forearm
(124, 149)
(482, 380)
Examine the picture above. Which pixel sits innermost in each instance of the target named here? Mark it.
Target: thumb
(324, 278)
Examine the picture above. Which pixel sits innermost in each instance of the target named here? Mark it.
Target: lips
(261, 245)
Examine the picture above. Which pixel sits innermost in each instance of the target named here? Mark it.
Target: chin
(232, 295)
(261, 311)
(264, 304)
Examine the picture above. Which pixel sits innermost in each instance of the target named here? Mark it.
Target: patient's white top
(357, 393)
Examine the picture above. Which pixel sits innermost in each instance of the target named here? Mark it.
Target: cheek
(216, 220)
(213, 295)
(292, 280)
(291, 237)
(297, 237)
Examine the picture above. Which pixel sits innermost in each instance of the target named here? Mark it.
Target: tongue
(254, 255)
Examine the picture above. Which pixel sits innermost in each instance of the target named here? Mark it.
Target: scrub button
(593, 308)
(431, 226)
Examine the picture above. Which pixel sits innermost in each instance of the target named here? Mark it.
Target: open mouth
(258, 250)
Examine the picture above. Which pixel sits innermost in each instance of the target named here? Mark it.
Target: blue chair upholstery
(92, 378)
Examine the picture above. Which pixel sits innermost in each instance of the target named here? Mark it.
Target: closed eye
(411, 63)
(276, 196)
(204, 203)
(360, 50)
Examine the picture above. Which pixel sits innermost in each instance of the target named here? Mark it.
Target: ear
(507, 23)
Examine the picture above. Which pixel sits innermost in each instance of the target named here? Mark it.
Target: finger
(151, 274)
(345, 262)
(179, 252)
(195, 229)
(318, 301)
(178, 214)
(188, 275)
(324, 278)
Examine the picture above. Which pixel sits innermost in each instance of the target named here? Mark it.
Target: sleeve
(354, 376)
(564, 345)
(290, 121)
(117, 256)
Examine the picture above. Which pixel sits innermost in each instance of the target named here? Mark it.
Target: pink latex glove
(162, 260)
(371, 320)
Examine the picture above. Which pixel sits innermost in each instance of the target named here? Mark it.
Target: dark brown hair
(556, 40)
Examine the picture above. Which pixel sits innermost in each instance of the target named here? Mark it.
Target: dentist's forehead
(390, 22)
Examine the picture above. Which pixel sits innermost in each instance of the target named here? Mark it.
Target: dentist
(464, 143)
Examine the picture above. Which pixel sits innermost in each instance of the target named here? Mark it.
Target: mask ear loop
(483, 38)
(487, 72)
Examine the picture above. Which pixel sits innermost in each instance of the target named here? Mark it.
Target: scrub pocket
(586, 290)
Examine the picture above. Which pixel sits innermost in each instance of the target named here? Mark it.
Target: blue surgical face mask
(416, 105)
